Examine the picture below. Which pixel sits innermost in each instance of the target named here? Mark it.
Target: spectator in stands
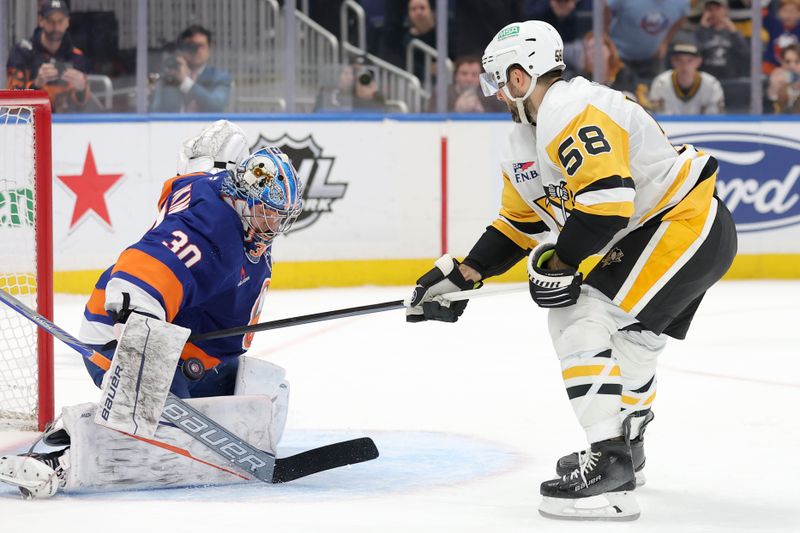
(49, 61)
(784, 81)
(422, 26)
(684, 90)
(562, 16)
(476, 23)
(618, 75)
(357, 90)
(187, 82)
(724, 51)
(784, 30)
(643, 29)
(465, 95)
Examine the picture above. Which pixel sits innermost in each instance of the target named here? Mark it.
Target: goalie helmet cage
(26, 259)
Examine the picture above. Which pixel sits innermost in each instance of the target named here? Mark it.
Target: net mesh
(18, 342)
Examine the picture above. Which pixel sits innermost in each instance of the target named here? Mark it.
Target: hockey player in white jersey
(588, 172)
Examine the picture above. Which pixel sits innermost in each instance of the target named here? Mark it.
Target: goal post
(26, 258)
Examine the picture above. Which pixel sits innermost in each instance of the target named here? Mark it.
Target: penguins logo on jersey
(314, 170)
(614, 255)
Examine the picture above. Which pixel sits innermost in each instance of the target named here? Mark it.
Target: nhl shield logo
(314, 170)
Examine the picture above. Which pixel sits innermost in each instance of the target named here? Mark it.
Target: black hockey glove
(552, 288)
(443, 278)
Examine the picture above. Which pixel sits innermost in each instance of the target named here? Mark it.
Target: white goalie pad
(135, 388)
(259, 377)
(104, 459)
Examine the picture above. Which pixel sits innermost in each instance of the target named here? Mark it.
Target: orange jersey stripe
(156, 274)
(191, 350)
(97, 302)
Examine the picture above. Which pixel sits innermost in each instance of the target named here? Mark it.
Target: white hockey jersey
(596, 167)
(704, 97)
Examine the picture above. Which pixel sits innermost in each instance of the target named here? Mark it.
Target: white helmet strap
(520, 100)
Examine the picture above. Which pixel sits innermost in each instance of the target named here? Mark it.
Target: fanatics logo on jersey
(314, 170)
(244, 278)
(525, 171)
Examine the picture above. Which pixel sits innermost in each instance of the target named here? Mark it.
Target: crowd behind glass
(676, 57)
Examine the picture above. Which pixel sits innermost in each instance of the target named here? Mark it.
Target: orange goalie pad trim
(185, 453)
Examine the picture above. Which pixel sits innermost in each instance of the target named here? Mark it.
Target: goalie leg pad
(256, 376)
(104, 459)
(136, 386)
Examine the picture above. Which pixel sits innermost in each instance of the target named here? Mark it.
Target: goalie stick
(242, 455)
(354, 311)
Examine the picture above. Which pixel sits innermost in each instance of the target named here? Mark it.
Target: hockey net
(26, 363)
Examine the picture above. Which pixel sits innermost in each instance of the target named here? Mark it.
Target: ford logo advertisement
(759, 176)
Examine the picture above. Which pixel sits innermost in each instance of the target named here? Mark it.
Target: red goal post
(26, 258)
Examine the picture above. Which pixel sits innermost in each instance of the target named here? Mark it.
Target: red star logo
(90, 188)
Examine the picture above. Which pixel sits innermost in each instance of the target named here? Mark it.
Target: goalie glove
(552, 288)
(425, 302)
(219, 146)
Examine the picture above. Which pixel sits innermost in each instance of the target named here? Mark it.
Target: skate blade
(611, 506)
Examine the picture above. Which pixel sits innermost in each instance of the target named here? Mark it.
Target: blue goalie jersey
(196, 268)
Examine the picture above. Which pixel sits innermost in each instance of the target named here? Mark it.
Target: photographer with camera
(356, 90)
(187, 83)
(49, 61)
(464, 95)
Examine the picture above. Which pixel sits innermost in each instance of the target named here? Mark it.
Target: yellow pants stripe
(588, 370)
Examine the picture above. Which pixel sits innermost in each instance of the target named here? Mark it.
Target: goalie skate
(34, 475)
(601, 488)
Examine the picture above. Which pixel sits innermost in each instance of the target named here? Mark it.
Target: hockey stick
(241, 454)
(353, 311)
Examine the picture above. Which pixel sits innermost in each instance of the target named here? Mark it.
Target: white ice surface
(470, 418)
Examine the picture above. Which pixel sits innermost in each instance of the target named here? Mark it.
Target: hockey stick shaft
(352, 311)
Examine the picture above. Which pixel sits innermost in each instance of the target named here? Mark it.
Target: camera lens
(365, 78)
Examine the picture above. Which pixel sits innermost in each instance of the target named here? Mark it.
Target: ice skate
(601, 488)
(36, 475)
(568, 463)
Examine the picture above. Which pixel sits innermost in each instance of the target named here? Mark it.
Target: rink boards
(384, 195)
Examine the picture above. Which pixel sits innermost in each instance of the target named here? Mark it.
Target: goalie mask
(266, 192)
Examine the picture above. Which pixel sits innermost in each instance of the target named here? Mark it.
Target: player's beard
(512, 108)
(54, 36)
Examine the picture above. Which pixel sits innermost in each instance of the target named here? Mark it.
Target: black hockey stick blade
(334, 455)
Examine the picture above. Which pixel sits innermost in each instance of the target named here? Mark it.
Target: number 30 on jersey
(180, 246)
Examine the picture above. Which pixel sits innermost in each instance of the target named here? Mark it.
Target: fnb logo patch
(759, 176)
(525, 171)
